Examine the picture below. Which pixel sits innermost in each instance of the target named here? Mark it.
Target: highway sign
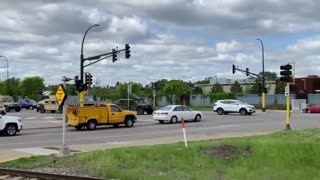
(61, 95)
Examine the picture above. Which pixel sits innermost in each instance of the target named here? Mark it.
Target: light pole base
(64, 151)
(288, 127)
(263, 109)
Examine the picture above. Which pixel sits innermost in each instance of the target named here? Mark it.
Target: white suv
(233, 106)
(10, 125)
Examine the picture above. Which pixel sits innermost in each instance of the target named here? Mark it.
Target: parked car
(10, 125)
(233, 106)
(174, 113)
(28, 104)
(312, 109)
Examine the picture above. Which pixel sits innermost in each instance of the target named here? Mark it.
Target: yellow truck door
(116, 115)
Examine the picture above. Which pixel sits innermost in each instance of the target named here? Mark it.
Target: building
(227, 83)
(309, 85)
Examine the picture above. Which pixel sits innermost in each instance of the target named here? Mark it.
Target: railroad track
(15, 174)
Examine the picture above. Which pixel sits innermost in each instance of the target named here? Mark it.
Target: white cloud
(225, 47)
(182, 39)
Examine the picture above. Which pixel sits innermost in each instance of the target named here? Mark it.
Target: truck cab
(7, 102)
(103, 114)
(51, 104)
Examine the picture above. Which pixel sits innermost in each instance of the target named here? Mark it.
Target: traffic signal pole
(288, 117)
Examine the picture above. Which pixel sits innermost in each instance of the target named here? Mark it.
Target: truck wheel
(11, 129)
(41, 109)
(129, 122)
(140, 111)
(7, 109)
(17, 109)
(149, 111)
(92, 124)
(79, 127)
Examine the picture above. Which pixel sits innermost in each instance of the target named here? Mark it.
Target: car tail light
(164, 113)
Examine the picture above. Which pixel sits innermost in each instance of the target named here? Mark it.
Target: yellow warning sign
(61, 95)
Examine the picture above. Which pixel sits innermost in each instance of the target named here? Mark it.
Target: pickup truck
(10, 125)
(103, 114)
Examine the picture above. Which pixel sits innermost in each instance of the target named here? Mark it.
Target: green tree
(136, 88)
(269, 76)
(280, 88)
(205, 81)
(178, 89)
(32, 87)
(255, 88)
(236, 88)
(217, 88)
(197, 90)
(12, 87)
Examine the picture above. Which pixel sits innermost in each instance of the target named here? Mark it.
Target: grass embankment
(282, 155)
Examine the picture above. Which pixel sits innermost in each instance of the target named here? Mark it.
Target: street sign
(61, 95)
(286, 91)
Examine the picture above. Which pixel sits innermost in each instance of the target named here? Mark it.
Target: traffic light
(247, 71)
(78, 83)
(114, 55)
(127, 51)
(88, 78)
(233, 69)
(286, 73)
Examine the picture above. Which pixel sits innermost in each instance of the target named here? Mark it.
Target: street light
(81, 55)
(7, 67)
(263, 80)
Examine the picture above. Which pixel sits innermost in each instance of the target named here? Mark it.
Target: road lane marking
(30, 118)
(115, 136)
(59, 122)
(50, 117)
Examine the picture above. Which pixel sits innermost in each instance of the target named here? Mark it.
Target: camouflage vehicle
(51, 104)
(7, 102)
(135, 104)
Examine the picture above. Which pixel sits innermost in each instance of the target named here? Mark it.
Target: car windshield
(166, 108)
(239, 102)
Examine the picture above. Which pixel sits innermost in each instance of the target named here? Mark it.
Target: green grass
(282, 155)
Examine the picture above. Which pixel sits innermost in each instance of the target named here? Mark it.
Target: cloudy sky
(169, 39)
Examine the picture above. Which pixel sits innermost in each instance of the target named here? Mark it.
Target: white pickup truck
(10, 125)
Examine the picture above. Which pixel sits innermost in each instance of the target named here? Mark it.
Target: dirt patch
(228, 152)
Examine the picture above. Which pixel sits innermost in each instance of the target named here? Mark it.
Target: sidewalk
(8, 155)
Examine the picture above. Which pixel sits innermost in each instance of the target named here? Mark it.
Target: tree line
(33, 87)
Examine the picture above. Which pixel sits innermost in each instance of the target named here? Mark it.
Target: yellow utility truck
(103, 114)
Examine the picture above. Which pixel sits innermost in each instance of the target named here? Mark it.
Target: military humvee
(7, 102)
(50, 104)
(135, 104)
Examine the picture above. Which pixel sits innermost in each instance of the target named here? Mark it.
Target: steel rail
(41, 175)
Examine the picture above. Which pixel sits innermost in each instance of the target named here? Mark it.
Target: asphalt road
(146, 128)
